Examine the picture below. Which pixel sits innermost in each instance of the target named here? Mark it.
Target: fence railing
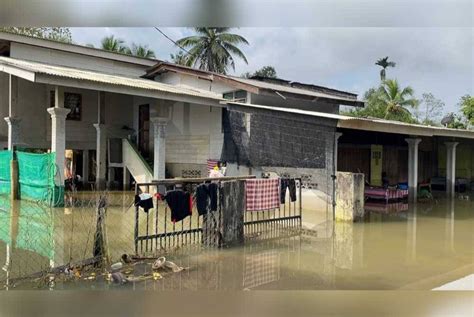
(277, 222)
(155, 231)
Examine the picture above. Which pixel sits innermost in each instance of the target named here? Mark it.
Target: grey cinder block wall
(288, 144)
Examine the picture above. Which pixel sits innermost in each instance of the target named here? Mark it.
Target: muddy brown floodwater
(421, 246)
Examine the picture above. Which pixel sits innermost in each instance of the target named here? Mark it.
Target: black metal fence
(277, 222)
(154, 230)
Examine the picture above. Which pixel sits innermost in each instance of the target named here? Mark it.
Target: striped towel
(211, 164)
(262, 194)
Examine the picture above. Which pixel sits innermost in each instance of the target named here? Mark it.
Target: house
(116, 116)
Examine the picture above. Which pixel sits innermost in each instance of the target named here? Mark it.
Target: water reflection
(395, 247)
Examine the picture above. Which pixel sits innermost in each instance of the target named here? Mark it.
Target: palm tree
(140, 51)
(396, 100)
(213, 49)
(179, 58)
(384, 63)
(110, 43)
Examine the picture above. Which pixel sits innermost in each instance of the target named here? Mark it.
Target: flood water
(420, 247)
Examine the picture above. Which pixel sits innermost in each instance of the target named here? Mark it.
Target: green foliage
(456, 122)
(430, 110)
(265, 71)
(179, 58)
(384, 63)
(59, 34)
(467, 108)
(213, 49)
(113, 44)
(140, 51)
(388, 102)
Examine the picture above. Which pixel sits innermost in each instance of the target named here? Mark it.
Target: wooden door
(144, 130)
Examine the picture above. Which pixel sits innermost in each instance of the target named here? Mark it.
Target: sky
(429, 59)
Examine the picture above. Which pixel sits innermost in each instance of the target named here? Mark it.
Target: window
(72, 101)
(239, 96)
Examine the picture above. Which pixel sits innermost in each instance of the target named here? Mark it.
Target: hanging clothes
(144, 201)
(291, 185)
(206, 198)
(180, 203)
(262, 194)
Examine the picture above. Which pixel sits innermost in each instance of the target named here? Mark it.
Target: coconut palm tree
(384, 63)
(140, 51)
(213, 49)
(110, 43)
(396, 100)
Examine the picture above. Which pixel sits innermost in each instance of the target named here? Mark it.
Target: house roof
(366, 124)
(284, 88)
(75, 77)
(75, 48)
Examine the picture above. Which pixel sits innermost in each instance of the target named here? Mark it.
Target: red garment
(262, 194)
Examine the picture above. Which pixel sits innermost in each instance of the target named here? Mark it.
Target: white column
(101, 163)
(12, 121)
(450, 168)
(13, 131)
(101, 143)
(412, 168)
(58, 139)
(159, 141)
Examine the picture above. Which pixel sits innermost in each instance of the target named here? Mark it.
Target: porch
(109, 127)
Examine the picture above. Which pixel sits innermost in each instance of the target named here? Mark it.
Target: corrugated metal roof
(371, 124)
(86, 75)
(254, 83)
(292, 90)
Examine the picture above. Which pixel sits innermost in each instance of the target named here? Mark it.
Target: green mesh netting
(5, 205)
(5, 158)
(35, 230)
(36, 176)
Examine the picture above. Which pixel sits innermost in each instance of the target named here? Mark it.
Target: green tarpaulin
(36, 177)
(5, 158)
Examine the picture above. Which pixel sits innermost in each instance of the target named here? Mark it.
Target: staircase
(135, 163)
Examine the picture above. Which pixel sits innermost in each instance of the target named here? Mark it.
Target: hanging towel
(291, 185)
(180, 203)
(206, 198)
(262, 194)
(201, 199)
(145, 201)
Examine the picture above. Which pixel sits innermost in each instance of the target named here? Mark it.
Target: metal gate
(156, 232)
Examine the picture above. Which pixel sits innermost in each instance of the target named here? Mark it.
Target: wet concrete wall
(349, 196)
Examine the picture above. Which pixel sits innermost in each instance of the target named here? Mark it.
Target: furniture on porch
(387, 194)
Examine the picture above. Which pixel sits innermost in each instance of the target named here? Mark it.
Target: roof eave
(124, 89)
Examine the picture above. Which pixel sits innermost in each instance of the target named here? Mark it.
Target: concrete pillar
(58, 139)
(412, 168)
(12, 121)
(349, 196)
(159, 141)
(450, 168)
(101, 162)
(101, 143)
(13, 131)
